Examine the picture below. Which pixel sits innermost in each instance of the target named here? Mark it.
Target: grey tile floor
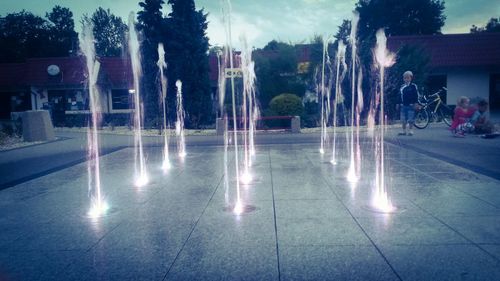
(310, 223)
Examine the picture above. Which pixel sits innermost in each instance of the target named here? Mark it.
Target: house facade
(60, 85)
(466, 64)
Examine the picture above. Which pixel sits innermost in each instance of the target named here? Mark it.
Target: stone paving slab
(309, 223)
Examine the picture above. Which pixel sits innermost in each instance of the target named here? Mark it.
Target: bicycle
(434, 108)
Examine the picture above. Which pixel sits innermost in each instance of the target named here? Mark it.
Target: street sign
(233, 72)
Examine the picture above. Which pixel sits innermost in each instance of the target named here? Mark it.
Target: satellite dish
(53, 70)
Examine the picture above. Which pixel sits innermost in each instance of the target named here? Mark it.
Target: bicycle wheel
(421, 119)
(446, 114)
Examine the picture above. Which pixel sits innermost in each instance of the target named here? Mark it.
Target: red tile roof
(455, 49)
(33, 72)
(118, 72)
(72, 71)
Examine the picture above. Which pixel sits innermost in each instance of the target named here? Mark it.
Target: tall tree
(397, 17)
(62, 35)
(151, 26)
(22, 35)
(109, 32)
(187, 56)
(493, 25)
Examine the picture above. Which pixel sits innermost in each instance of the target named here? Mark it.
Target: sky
(261, 21)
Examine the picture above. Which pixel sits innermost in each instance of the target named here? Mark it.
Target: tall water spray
(222, 61)
(98, 206)
(351, 173)
(226, 11)
(162, 65)
(341, 64)
(385, 59)
(250, 108)
(141, 175)
(179, 124)
(325, 93)
(226, 164)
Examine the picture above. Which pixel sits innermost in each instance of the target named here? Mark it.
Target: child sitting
(481, 119)
(463, 113)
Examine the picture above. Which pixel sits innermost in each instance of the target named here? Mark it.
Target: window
(68, 100)
(120, 99)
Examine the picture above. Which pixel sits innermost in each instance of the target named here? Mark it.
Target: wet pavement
(309, 222)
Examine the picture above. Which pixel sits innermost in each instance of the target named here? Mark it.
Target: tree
(151, 26)
(22, 35)
(276, 69)
(400, 17)
(62, 35)
(25, 35)
(493, 25)
(344, 30)
(109, 33)
(397, 17)
(187, 57)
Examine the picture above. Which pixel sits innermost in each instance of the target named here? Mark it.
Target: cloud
(239, 25)
(285, 20)
(265, 20)
(462, 14)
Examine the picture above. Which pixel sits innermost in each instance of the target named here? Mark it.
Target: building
(466, 64)
(59, 84)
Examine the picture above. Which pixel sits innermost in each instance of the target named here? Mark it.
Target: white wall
(467, 82)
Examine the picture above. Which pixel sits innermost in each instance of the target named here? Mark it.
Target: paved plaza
(309, 222)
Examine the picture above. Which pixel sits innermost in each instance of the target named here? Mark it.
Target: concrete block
(219, 126)
(295, 125)
(37, 126)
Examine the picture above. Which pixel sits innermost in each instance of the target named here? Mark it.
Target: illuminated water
(325, 94)
(352, 174)
(141, 175)
(162, 66)
(250, 111)
(98, 206)
(339, 99)
(380, 199)
(179, 124)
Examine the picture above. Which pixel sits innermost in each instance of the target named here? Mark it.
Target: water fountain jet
(98, 205)
(141, 175)
(341, 49)
(179, 124)
(380, 199)
(352, 175)
(162, 65)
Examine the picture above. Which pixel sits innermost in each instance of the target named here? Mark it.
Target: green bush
(287, 105)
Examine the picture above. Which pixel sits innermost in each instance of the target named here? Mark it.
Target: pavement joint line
(459, 233)
(447, 225)
(362, 229)
(444, 158)
(274, 215)
(54, 169)
(193, 228)
(63, 270)
(429, 175)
